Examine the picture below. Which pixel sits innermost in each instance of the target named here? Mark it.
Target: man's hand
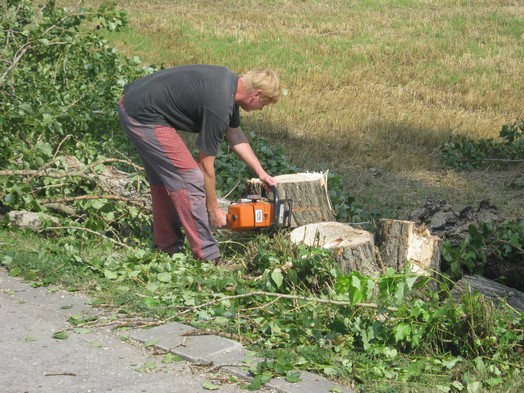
(217, 218)
(268, 181)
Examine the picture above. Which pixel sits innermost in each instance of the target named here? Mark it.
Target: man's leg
(167, 233)
(185, 185)
(167, 157)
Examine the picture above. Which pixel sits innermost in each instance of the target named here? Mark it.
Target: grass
(372, 84)
(69, 263)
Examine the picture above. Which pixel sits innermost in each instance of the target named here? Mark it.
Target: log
(308, 193)
(30, 220)
(497, 293)
(353, 248)
(405, 242)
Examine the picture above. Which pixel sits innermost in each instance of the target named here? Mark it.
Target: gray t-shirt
(195, 98)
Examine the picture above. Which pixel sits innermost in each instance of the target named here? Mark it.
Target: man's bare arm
(217, 217)
(240, 145)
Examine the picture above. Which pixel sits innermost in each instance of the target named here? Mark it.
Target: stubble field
(373, 86)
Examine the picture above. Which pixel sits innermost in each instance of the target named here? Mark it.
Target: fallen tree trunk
(497, 293)
(307, 192)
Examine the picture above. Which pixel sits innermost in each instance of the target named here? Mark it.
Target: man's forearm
(217, 217)
(246, 154)
(240, 145)
(207, 167)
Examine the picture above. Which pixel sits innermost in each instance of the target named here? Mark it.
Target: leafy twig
(492, 160)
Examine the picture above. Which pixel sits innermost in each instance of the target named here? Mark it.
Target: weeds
(466, 153)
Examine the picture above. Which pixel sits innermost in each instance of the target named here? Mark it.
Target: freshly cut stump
(353, 248)
(307, 192)
(400, 242)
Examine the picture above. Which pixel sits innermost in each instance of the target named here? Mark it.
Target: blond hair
(266, 81)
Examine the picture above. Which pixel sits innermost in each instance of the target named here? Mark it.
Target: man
(203, 99)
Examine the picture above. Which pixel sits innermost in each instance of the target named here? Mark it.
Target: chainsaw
(256, 212)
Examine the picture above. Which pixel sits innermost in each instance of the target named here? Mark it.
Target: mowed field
(373, 86)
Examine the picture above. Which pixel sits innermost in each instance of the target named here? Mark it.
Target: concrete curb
(228, 355)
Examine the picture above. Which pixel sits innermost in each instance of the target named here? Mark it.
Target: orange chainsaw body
(256, 212)
(250, 214)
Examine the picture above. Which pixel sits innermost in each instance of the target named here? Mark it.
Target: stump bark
(308, 193)
(400, 242)
(353, 248)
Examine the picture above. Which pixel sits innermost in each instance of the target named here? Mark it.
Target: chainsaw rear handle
(276, 205)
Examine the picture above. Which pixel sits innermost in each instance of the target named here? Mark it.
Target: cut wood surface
(307, 192)
(353, 248)
(491, 289)
(400, 242)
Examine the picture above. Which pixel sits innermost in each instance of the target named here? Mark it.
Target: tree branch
(88, 231)
(93, 197)
(219, 299)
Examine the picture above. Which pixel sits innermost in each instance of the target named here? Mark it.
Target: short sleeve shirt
(194, 98)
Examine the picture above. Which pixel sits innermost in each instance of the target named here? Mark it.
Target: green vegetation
(467, 153)
(392, 333)
(487, 244)
(60, 80)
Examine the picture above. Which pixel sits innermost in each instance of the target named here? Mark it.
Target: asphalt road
(31, 360)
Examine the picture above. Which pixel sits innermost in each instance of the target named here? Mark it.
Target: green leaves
(208, 385)
(171, 358)
(147, 367)
(466, 153)
(266, 370)
(164, 277)
(54, 64)
(402, 331)
(358, 287)
(277, 277)
(501, 243)
(60, 336)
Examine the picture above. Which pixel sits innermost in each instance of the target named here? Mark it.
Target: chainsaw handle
(276, 205)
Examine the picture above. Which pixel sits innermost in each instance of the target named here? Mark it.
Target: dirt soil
(398, 195)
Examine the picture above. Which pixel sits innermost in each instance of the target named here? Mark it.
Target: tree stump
(401, 242)
(307, 192)
(353, 248)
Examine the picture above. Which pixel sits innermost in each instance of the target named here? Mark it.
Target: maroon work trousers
(177, 188)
